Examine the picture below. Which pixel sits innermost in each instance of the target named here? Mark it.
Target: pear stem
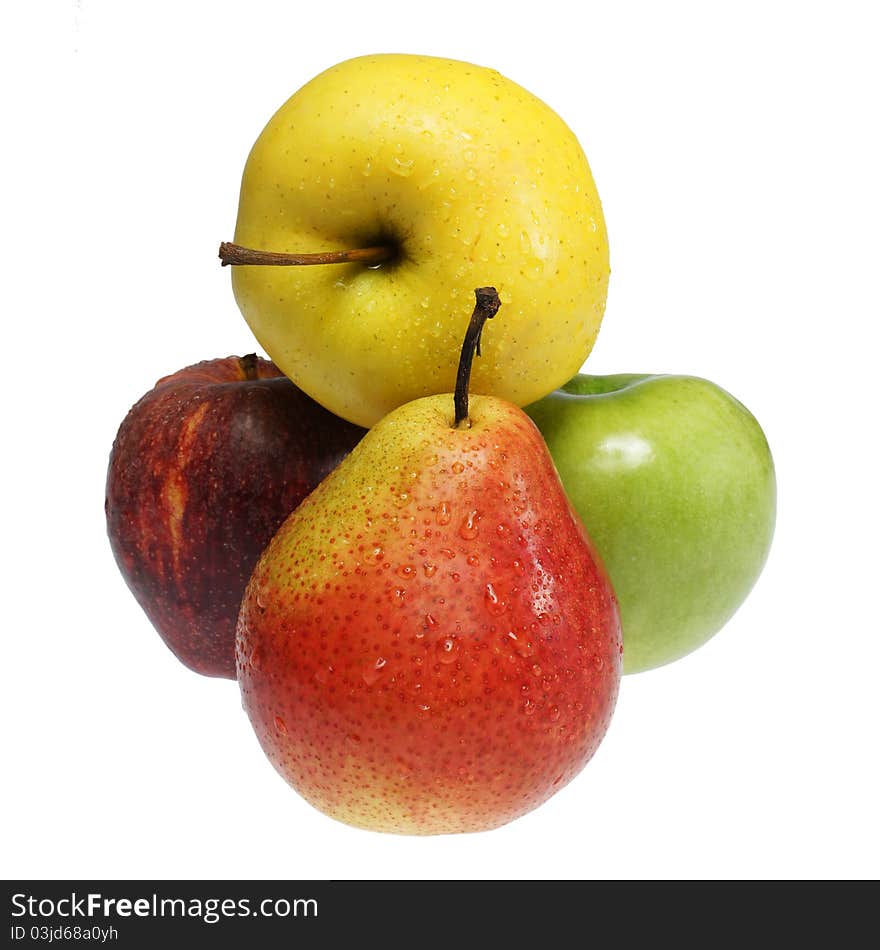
(486, 307)
(236, 254)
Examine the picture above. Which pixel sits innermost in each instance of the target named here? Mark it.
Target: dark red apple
(204, 469)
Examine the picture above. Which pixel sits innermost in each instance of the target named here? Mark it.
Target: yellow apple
(461, 178)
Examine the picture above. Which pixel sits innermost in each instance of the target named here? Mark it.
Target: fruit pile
(427, 594)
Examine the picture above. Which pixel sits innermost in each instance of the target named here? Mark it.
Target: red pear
(430, 643)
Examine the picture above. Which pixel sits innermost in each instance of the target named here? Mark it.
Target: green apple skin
(674, 481)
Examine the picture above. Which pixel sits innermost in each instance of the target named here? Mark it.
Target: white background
(735, 149)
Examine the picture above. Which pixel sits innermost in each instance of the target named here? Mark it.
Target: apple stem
(248, 365)
(486, 307)
(236, 254)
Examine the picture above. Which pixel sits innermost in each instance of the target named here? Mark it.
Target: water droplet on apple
(368, 168)
(470, 174)
(401, 167)
(398, 596)
(457, 468)
(256, 659)
(280, 726)
(444, 513)
(406, 571)
(262, 598)
(429, 569)
(525, 243)
(554, 714)
(432, 180)
(502, 230)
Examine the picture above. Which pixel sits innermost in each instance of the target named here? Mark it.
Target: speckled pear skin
(204, 469)
(475, 180)
(430, 643)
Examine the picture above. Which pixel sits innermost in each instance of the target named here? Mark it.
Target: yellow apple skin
(475, 180)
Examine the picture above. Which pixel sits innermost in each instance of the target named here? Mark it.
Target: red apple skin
(204, 469)
(419, 662)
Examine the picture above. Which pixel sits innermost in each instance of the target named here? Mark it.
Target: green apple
(675, 483)
(442, 176)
